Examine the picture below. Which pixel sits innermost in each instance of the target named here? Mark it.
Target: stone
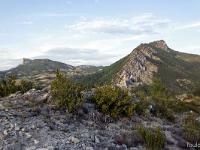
(1, 136)
(1, 107)
(35, 141)
(88, 107)
(42, 149)
(5, 132)
(17, 127)
(28, 135)
(73, 140)
(134, 148)
(89, 148)
(31, 148)
(96, 139)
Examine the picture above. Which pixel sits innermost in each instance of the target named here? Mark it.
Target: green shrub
(191, 129)
(114, 101)
(8, 86)
(158, 89)
(163, 108)
(163, 102)
(66, 93)
(25, 85)
(154, 138)
(196, 92)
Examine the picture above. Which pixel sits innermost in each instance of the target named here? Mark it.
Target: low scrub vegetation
(114, 101)
(196, 92)
(155, 100)
(191, 129)
(65, 93)
(153, 138)
(9, 86)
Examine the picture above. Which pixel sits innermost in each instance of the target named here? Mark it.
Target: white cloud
(94, 41)
(189, 26)
(145, 24)
(192, 49)
(9, 63)
(76, 56)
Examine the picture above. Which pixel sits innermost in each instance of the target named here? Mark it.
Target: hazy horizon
(93, 32)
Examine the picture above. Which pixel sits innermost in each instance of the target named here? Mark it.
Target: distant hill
(178, 71)
(37, 66)
(43, 70)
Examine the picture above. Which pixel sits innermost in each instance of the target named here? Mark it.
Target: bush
(66, 93)
(154, 138)
(196, 92)
(114, 101)
(158, 89)
(163, 102)
(8, 86)
(191, 129)
(129, 138)
(25, 85)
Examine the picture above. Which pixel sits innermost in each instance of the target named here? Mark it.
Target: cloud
(8, 59)
(145, 24)
(192, 49)
(189, 26)
(9, 63)
(76, 56)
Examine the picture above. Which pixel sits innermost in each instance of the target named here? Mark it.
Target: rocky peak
(138, 69)
(26, 61)
(143, 49)
(161, 44)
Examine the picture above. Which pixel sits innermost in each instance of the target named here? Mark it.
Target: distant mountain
(38, 69)
(178, 71)
(37, 66)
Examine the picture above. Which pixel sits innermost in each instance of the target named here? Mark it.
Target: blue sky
(93, 32)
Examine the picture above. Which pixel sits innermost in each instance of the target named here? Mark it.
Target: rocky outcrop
(29, 122)
(26, 61)
(160, 45)
(138, 68)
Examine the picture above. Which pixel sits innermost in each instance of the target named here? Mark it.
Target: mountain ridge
(178, 71)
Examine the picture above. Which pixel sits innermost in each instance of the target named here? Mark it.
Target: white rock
(17, 127)
(11, 126)
(35, 141)
(89, 148)
(30, 148)
(74, 140)
(96, 139)
(5, 132)
(28, 135)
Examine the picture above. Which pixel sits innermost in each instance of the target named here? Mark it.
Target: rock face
(138, 68)
(26, 61)
(160, 45)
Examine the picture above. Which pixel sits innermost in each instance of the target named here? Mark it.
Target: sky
(93, 32)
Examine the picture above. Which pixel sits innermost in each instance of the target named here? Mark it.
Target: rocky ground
(27, 122)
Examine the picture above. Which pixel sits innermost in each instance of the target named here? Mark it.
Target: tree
(114, 101)
(66, 93)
